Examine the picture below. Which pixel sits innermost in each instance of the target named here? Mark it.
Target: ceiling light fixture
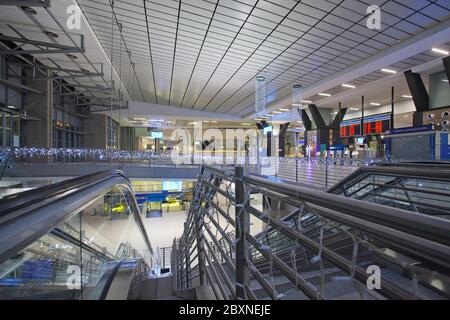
(28, 10)
(324, 94)
(437, 50)
(375, 104)
(306, 101)
(388, 70)
(284, 110)
(348, 86)
(406, 96)
(444, 80)
(354, 109)
(276, 112)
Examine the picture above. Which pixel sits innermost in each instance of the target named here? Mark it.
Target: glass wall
(73, 260)
(69, 119)
(112, 129)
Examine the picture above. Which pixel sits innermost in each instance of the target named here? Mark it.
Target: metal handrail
(417, 236)
(27, 216)
(409, 170)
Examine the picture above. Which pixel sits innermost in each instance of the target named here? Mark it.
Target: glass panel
(43, 270)
(72, 261)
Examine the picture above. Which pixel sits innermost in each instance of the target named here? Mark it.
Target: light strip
(437, 50)
(388, 70)
(375, 104)
(324, 94)
(348, 86)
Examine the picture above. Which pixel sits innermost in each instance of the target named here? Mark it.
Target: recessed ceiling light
(437, 50)
(324, 94)
(306, 101)
(51, 34)
(354, 109)
(406, 96)
(375, 104)
(284, 110)
(348, 86)
(388, 70)
(28, 10)
(445, 80)
(276, 112)
(12, 107)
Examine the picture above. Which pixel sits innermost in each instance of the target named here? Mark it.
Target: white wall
(399, 107)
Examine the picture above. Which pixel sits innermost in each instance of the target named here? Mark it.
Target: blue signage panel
(429, 127)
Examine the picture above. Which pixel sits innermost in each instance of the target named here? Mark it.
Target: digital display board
(372, 124)
(268, 129)
(172, 185)
(157, 135)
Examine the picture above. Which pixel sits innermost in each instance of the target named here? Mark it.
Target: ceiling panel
(206, 54)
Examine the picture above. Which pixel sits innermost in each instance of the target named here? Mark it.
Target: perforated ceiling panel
(205, 54)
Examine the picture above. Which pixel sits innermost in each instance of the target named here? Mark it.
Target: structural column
(242, 229)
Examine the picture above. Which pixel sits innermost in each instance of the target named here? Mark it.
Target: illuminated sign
(372, 124)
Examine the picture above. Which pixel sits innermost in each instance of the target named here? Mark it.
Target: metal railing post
(242, 229)
(200, 246)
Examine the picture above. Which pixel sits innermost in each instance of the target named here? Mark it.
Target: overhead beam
(446, 62)
(58, 77)
(145, 109)
(336, 124)
(48, 47)
(26, 3)
(305, 119)
(19, 87)
(317, 117)
(418, 91)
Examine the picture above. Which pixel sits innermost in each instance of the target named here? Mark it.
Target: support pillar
(242, 229)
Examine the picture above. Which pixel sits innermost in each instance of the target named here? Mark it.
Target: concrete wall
(97, 131)
(38, 133)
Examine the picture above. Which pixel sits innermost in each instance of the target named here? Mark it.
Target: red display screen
(372, 124)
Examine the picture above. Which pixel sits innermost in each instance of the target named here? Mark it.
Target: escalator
(65, 241)
(419, 188)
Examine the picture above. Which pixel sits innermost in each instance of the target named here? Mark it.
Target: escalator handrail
(27, 216)
(428, 227)
(412, 171)
(107, 279)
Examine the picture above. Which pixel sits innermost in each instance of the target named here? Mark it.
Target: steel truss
(26, 3)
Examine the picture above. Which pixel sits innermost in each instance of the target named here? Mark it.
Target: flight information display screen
(372, 124)
(172, 185)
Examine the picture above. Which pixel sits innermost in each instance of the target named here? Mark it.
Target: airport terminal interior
(224, 150)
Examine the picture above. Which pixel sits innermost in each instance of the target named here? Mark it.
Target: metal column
(242, 229)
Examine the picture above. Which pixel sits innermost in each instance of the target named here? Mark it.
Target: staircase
(321, 250)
